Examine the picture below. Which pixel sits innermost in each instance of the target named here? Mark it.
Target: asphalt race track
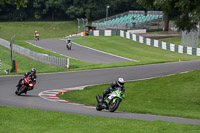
(78, 52)
(82, 78)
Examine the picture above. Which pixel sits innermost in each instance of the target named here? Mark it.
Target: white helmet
(120, 82)
(35, 31)
(33, 70)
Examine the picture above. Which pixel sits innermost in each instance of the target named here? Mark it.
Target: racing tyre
(16, 92)
(21, 90)
(114, 106)
(98, 107)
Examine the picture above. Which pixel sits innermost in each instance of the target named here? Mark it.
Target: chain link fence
(82, 22)
(190, 39)
(44, 58)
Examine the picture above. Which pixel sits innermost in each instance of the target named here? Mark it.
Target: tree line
(22, 10)
(187, 12)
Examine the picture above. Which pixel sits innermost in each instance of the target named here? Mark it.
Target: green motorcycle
(111, 101)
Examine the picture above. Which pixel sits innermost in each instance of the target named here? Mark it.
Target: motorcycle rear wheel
(98, 107)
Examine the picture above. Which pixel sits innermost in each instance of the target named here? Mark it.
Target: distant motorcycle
(111, 101)
(37, 37)
(25, 85)
(69, 46)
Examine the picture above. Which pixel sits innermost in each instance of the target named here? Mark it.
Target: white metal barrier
(44, 58)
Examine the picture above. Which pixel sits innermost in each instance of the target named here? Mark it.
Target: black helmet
(33, 70)
(120, 82)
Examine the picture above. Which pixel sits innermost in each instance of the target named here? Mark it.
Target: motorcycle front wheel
(68, 47)
(21, 90)
(114, 105)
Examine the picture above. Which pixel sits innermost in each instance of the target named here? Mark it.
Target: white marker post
(67, 63)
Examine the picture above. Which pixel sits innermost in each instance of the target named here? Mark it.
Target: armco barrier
(44, 58)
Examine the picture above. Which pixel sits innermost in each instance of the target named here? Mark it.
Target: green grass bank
(115, 45)
(132, 50)
(25, 30)
(176, 95)
(33, 121)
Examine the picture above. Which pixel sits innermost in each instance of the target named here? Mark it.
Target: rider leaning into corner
(36, 34)
(115, 85)
(31, 74)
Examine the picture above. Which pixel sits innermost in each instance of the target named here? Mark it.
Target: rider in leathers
(117, 84)
(33, 76)
(68, 41)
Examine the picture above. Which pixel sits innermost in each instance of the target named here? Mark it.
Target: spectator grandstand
(130, 20)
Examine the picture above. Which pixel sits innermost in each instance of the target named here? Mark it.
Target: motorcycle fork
(114, 100)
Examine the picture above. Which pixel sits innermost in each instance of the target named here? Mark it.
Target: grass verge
(122, 47)
(132, 50)
(33, 120)
(176, 95)
(25, 30)
(25, 64)
(115, 45)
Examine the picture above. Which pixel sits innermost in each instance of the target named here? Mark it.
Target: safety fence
(191, 38)
(105, 33)
(117, 32)
(44, 58)
(148, 41)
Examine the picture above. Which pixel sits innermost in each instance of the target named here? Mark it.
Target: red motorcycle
(25, 85)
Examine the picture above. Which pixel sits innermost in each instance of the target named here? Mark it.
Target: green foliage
(119, 6)
(95, 9)
(146, 3)
(189, 11)
(19, 3)
(189, 14)
(65, 9)
(37, 16)
(90, 9)
(74, 12)
(38, 5)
